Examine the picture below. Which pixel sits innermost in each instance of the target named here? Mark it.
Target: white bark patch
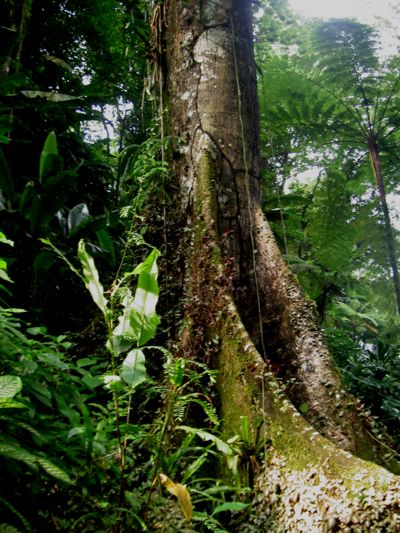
(203, 143)
(209, 49)
(186, 188)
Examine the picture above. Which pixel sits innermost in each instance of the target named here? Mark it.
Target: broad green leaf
(230, 506)
(133, 370)
(10, 386)
(143, 312)
(49, 151)
(54, 470)
(76, 431)
(50, 96)
(26, 197)
(139, 320)
(86, 361)
(37, 330)
(123, 334)
(91, 279)
(77, 217)
(52, 360)
(146, 325)
(245, 430)
(7, 403)
(13, 451)
(205, 435)
(3, 273)
(4, 240)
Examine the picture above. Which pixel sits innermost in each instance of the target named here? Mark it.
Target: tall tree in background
(366, 111)
(319, 88)
(243, 308)
(340, 105)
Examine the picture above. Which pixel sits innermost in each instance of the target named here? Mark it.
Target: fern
(330, 222)
(16, 513)
(6, 528)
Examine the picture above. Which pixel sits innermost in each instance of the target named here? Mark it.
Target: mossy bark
(244, 308)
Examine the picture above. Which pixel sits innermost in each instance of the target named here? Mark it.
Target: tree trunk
(244, 311)
(14, 15)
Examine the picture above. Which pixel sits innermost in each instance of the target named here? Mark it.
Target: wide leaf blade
(133, 368)
(50, 150)
(139, 320)
(143, 315)
(10, 386)
(91, 278)
(77, 217)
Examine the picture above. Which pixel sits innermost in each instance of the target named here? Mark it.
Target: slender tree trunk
(14, 15)
(244, 311)
(390, 242)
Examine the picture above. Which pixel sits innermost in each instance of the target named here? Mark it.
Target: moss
(240, 384)
(205, 202)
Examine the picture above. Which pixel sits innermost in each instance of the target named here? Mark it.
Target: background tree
(332, 227)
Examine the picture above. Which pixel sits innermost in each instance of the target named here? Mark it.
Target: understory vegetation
(105, 424)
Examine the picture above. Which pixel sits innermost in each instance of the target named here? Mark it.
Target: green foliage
(85, 430)
(49, 152)
(328, 99)
(138, 322)
(64, 85)
(30, 389)
(143, 173)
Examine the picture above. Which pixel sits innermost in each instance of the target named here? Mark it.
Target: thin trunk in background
(390, 241)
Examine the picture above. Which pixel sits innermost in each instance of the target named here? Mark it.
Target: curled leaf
(181, 493)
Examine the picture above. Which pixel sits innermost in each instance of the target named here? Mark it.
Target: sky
(379, 13)
(361, 9)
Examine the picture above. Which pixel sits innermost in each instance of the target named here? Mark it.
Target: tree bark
(14, 15)
(244, 310)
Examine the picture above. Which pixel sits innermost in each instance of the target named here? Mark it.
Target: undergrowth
(95, 442)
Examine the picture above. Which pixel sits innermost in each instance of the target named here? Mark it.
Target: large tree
(243, 309)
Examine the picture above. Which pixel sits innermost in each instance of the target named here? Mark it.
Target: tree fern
(330, 222)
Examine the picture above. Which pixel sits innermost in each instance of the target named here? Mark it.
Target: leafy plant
(29, 392)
